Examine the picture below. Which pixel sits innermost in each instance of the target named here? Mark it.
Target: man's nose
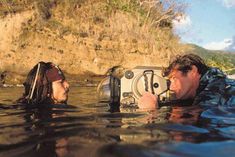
(172, 86)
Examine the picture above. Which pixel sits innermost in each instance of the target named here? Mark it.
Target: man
(45, 84)
(191, 78)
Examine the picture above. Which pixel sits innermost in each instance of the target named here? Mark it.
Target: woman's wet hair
(184, 64)
(38, 86)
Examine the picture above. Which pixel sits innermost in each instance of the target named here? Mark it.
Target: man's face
(183, 85)
(60, 90)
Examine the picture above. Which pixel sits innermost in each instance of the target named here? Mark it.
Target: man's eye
(173, 79)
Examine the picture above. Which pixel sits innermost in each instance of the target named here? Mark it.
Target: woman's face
(60, 89)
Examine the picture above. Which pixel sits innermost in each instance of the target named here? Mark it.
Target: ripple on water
(89, 129)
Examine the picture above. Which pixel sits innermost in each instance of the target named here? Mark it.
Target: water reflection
(90, 129)
(173, 149)
(37, 131)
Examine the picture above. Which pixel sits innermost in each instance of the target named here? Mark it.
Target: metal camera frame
(141, 79)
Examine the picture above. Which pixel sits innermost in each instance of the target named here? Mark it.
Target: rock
(9, 79)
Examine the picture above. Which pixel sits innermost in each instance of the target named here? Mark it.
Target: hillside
(85, 37)
(221, 59)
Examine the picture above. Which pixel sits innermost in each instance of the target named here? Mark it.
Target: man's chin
(183, 98)
(178, 96)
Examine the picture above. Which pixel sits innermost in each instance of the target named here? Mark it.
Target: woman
(45, 84)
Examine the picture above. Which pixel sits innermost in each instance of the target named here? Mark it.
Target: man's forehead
(173, 73)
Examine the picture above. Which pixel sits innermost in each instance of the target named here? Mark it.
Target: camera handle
(146, 80)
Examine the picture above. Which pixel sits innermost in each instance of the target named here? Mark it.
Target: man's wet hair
(184, 64)
(38, 87)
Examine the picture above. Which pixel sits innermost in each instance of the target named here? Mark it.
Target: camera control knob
(155, 85)
(129, 74)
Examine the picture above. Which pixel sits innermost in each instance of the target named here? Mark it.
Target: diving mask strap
(34, 83)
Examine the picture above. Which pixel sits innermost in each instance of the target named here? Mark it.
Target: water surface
(87, 128)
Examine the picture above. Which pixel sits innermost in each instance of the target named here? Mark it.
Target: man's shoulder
(216, 93)
(214, 84)
(215, 76)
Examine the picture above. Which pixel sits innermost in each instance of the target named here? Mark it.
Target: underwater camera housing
(127, 89)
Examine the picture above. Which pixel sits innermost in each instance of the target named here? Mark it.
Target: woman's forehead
(58, 81)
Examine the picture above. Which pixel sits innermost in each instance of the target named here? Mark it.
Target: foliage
(14, 6)
(159, 13)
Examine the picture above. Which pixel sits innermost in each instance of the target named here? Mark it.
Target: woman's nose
(66, 84)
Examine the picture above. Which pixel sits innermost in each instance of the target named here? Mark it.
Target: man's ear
(194, 70)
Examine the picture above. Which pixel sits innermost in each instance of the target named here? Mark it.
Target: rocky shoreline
(10, 79)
